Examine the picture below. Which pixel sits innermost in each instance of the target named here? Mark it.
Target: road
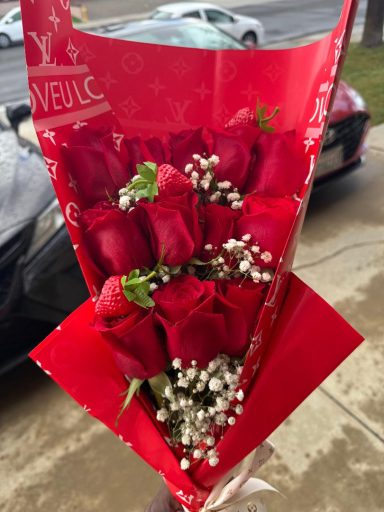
(54, 457)
(284, 19)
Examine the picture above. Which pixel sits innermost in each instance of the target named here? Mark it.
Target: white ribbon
(237, 491)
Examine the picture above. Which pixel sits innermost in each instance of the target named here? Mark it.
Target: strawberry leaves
(263, 120)
(136, 289)
(144, 184)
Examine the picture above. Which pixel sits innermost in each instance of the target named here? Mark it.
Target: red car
(344, 143)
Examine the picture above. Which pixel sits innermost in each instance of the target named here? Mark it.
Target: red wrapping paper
(110, 102)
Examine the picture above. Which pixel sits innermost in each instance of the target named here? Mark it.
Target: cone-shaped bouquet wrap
(205, 234)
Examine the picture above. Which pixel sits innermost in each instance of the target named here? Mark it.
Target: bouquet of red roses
(184, 209)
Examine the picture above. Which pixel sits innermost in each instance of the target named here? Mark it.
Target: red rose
(96, 168)
(185, 144)
(199, 324)
(276, 169)
(235, 158)
(269, 221)
(137, 344)
(246, 294)
(217, 224)
(173, 225)
(116, 241)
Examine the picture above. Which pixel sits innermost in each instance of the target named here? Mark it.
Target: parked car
(344, 147)
(11, 28)
(40, 280)
(244, 28)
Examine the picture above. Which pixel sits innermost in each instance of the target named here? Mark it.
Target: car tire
(5, 41)
(249, 38)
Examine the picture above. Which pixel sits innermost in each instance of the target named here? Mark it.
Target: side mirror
(16, 114)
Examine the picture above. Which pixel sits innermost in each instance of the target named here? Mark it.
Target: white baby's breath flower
(191, 373)
(240, 395)
(123, 191)
(201, 415)
(244, 266)
(195, 175)
(196, 157)
(124, 202)
(162, 415)
(200, 386)
(183, 383)
(204, 376)
(186, 440)
(204, 164)
(208, 247)
(214, 160)
(168, 392)
(215, 384)
(197, 454)
(239, 409)
(136, 177)
(183, 403)
(246, 237)
(266, 277)
(237, 205)
(188, 168)
(231, 420)
(184, 464)
(210, 441)
(233, 196)
(153, 287)
(166, 279)
(213, 461)
(224, 185)
(266, 256)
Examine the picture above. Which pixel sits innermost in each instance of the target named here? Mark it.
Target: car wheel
(249, 39)
(5, 41)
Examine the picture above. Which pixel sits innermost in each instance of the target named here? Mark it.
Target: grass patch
(364, 71)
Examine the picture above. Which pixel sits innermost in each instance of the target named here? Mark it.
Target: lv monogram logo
(178, 109)
(44, 44)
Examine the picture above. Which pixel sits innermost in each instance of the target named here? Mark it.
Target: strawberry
(112, 302)
(244, 117)
(172, 182)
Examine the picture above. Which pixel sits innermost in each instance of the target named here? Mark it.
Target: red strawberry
(244, 117)
(112, 302)
(171, 182)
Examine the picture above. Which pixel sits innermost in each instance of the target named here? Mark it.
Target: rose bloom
(276, 169)
(173, 227)
(269, 221)
(136, 342)
(217, 223)
(116, 241)
(199, 323)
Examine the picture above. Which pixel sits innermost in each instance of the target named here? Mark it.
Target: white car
(244, 28)
(11, 29)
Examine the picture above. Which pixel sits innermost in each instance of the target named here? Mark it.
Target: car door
(222, 20)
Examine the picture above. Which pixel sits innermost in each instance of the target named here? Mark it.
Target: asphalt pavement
(300, 17)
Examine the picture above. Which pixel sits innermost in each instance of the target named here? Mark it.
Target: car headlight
(47, 224)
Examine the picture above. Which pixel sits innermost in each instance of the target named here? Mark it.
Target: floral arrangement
(198, 256)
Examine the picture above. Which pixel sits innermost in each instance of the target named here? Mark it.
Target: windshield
(197, 35)
(161, 15)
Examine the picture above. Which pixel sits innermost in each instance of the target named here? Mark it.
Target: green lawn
(364, 71)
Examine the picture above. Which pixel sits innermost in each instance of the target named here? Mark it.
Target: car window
(161, 15)
(16, 17)
(218, 17)
(199, 35)
(192, 14)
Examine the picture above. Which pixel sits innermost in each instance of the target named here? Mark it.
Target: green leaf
(134, 387)
(144, 287)
(142, 299)
(129, 295)
(123, 281)
(266, 128)
(158, 383)
(196, 261)
(134, 274)
(133, 282)
(174, 270)
(148, 171)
